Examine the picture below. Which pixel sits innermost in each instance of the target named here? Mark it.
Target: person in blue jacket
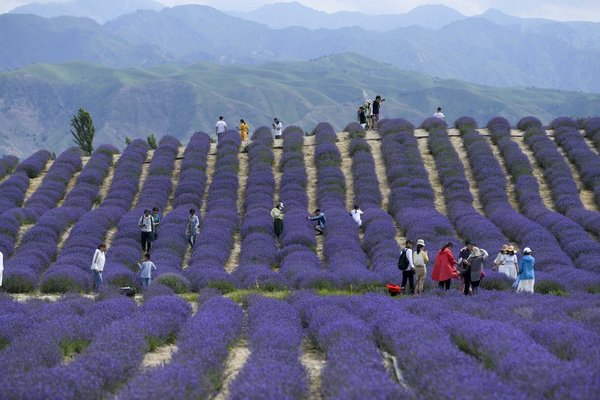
(526, 274)
(321, 221)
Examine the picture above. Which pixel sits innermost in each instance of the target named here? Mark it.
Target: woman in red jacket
(444, 268)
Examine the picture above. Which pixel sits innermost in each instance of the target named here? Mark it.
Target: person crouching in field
(146, 269)
(420, 261)
(356, 215)
(98, 265)
(321, 221)
(277, 215)
(526, 277)
(444, 269)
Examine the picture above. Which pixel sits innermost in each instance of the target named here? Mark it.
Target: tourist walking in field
(369, 113)
(376, 109)
(474, 269)
(362, 117)
(439, 114)
(146, 269)
(191, 231)
(507, 263)
(406, 265)
(526, 277)
(463, 255)
(356, 215)
(146, 223)
(444, 269)
(156, 219)
(321, 221)
(244, 128)
(98, 265)
(1, 267)
(420, 261)
(499, 260)
(220, 127)
(277, 215)
(277, 128)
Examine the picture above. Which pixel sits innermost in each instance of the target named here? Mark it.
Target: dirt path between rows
(237, 358)
(462, 155)
(234, 258)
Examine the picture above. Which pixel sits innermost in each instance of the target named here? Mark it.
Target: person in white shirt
(409, 273)
(420, 260)
(439, 114)
(356, 213)
(146, 269)
(191, 231)
(146, 223)
(220, 127)
(98, 265)
(277, 128)
(1, 267)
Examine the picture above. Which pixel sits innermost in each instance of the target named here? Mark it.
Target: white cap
(281, 205)
(526, 250)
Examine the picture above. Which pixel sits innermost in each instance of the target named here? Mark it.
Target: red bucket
(394, 290)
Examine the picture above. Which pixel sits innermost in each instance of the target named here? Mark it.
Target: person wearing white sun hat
(420, 260)
(526, 275)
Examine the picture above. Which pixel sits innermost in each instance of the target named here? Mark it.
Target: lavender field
(242, 315)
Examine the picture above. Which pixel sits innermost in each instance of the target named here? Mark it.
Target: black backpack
(403, 261)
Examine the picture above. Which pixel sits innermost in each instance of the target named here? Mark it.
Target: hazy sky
(588, 10)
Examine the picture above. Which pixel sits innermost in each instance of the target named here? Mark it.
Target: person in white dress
(356, 213)
(510, 265)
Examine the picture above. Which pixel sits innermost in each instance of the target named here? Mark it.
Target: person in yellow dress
(243, 130)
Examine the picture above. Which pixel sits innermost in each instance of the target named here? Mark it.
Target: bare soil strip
(313, 361)
(174, 180)
(343, 146)
(277, 153)
(512, 196)
(234, 257)
(383, 185)
(73, 180)
(35, 183)
(237, 358)
(63, 238)
(311, 189)
(108, 180)
(110, 235)
(538, 173)
(586, 196)
(158, 357)
(143, 176)
(462, 155)
(23, 229)
(434, 179)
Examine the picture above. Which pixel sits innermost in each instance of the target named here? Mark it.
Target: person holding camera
(376, 108)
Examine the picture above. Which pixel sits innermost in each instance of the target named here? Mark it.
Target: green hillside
(36, 102)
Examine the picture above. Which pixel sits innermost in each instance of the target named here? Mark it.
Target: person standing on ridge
(356, 213)
(277, 215)
(444, 267)
(277, 128)
(362, 117)
(321, 221)
(376, 109)
(369, 113)
(1, 267)
(191, 231)
(220, 127)
(146, 222)
(98, 266)
(420, 261)
(243, 130)
(408, 274)
(439, 114)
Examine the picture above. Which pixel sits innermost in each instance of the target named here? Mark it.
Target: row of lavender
(493, 345)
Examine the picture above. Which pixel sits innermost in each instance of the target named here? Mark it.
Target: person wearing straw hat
(420, 260)
(499, 260)
(526, 277)
(511, 264)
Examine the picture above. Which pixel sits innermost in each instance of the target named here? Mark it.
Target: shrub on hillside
(527, 123)
(176, 283)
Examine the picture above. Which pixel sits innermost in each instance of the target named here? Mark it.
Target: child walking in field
(146, 269)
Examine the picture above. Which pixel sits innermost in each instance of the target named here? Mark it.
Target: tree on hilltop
(83, 131)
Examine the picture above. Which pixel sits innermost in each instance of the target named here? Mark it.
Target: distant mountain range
(37, 102)
(98, 10)
(493, 49)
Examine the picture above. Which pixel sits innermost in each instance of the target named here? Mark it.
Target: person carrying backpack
(146, 222)
(407, 266)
